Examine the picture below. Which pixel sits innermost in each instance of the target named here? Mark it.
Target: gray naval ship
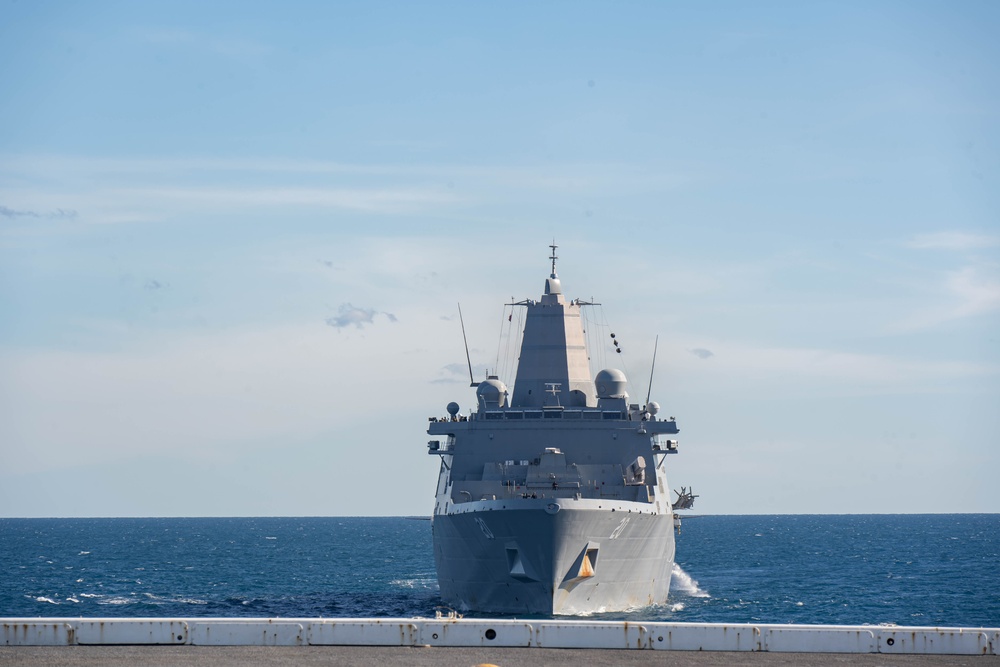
(553, 499)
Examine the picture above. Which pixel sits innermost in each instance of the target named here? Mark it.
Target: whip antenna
(652, 366)
(472, 381)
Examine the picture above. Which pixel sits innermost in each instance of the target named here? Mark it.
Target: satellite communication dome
(652, 407)
(492, 393)
(453, 408)
(611, 384)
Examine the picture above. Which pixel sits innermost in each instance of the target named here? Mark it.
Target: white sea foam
(591, 612)
(170, 600)
(414, 583)
(117, 600)
(677, 607)
(90, 595)
(83, 553)
(42, 598)
(682, 582)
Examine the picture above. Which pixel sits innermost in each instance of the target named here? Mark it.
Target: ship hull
(539, 561)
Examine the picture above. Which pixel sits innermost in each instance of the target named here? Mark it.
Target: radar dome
(611, 384)
(492, 393)
(652, 407)
(453, 408)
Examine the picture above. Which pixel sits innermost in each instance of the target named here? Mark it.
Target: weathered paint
(33, 632)
(455, 632)
(107, 631)
(958, 641)
(590, 634)
(832, 639)
(500, 632)
(364, 632)
(705, 637)
(245, 632)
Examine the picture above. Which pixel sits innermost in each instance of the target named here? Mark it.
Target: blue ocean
(855, 569)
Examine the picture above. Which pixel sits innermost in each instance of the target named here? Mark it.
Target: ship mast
(553, 366)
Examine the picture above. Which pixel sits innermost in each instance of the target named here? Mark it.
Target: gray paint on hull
(473, 553)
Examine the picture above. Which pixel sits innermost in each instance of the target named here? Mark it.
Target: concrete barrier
(705, 637)
(459, 632)
(826, 639)
(245, 632)
(37, 632)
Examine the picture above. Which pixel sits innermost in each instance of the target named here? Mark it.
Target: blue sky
(233, 237)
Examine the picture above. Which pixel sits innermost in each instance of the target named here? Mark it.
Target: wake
(681, 582)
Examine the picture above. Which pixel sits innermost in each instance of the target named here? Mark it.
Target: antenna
(472, 381)
(553, 257)
(652, 366)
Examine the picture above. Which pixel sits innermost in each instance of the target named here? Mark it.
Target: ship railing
(565, 413)
(465, 492)
(439, 447)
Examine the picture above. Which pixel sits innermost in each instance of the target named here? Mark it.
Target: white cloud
(953, 295)
(953, 241)
(208, 395)
(371, 200)
(122, 189)
(349, 315)
(977, 290)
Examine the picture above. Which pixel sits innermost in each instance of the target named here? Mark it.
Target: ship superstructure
(553, 499)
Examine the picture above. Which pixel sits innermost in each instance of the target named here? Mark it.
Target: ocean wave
(160, 599)
(836, 566)
(118, 600)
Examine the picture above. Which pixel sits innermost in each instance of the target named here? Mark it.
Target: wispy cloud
(701, 353)
(350, 315)
(370, 200)
(459, 373)
(977, 290)
(797, 369)
(952, 295)
(953, 241)
(358, 186)
(57, 213)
